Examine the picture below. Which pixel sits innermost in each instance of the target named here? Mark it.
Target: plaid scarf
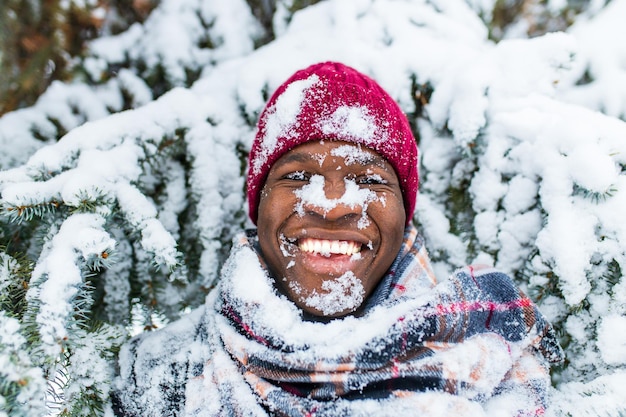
(471, 343)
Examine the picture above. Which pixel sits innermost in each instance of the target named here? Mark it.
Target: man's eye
(297, 176)
(373, 179)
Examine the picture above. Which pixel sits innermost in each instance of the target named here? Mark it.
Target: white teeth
(327, 247)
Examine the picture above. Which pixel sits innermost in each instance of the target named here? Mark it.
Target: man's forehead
(357, 154)
(318, 151)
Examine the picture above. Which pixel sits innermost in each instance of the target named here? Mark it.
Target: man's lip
(332, 265)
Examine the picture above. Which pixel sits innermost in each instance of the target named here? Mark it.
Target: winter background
(121, 190)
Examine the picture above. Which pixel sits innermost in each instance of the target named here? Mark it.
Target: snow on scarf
(472, 345)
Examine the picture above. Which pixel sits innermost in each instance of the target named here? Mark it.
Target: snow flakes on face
(340, 294)
(313, 195)
(286, 246)
(281, 117)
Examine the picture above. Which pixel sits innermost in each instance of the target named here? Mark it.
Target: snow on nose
(312, 195)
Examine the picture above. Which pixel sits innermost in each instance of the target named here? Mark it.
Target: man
(330, 307)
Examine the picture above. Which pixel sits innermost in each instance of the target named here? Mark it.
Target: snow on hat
(331, 101)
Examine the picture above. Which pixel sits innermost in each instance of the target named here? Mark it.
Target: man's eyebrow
(295, 157)
(366, 160)
(373, 159)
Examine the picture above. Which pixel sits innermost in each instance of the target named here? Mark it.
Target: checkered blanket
(471, 345)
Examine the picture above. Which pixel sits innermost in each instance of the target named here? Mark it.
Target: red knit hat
(332, 101)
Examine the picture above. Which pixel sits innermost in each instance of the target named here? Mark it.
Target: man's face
(330, 223)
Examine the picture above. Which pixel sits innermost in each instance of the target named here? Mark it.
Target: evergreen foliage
(122, 188)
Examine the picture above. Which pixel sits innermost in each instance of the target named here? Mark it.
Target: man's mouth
(326, 247)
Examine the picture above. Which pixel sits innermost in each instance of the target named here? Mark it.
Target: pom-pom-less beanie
(331, 101)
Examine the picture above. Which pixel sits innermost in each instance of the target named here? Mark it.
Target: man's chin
(327, 295)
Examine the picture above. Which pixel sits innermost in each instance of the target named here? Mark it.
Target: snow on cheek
(286, 246)
(313, 195)
(341, 294)
(383, 199)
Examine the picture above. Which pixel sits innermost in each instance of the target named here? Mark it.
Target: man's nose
(334, 189)
(336, 207)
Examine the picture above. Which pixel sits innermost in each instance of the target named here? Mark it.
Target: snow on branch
(98, 164)
(22, 383)
(141, 215)
(58, 276)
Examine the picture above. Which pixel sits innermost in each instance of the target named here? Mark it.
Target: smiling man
(333, 169)
(330, 307)
(329, 229)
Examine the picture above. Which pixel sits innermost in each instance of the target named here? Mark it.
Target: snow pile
(339, 294)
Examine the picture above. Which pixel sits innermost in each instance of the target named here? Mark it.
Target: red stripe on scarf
(395, 371)
(471, 269)
(465, 307)
(233, 315)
